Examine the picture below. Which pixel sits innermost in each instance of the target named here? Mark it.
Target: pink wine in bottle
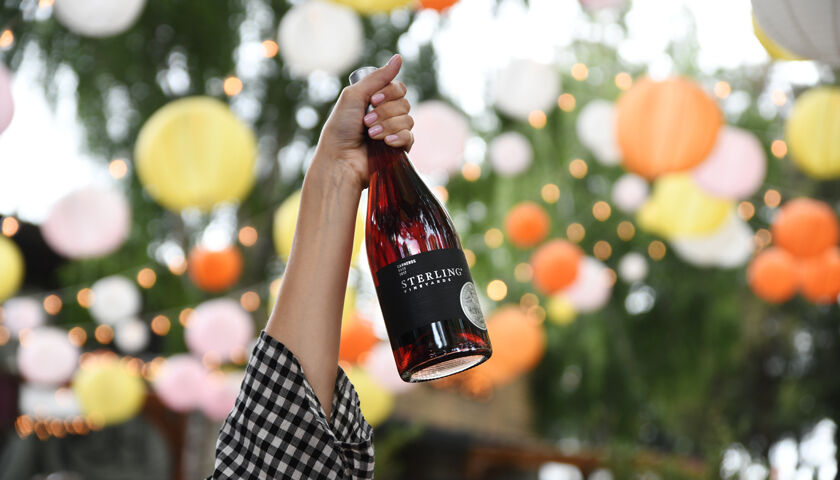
(428, 299)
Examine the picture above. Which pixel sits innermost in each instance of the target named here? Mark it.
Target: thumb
(380, 78)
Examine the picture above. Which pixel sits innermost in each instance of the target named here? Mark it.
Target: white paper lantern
(440, 136)
(596, 131)
(46, 402)
(633, 267)
(510, 154)
(379, 363)
(630, 192)
(115, 299)
(46, 356)
(131, 336)
(808, 28)
(88, 223)
(320, 36)
(594, 5)
(728, 247)
(22, 313)
(98, 18)
(7, 105)
(592, 286)
(220, 327)
(524, 86)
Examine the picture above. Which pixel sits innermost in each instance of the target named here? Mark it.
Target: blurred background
(646, 192)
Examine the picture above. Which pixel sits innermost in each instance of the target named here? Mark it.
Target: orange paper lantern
(357, 338)
(555, 265)
(518, 345)
(772, 275)
(439, 5)
(820, 277)
(215, 271)
(806, 227)
(666, 126)
(527, 224)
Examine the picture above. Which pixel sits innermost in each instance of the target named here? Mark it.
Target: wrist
(330, 173)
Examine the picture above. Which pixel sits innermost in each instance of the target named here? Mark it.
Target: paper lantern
(195, 153)
(220, 392)
(729, 246)
(11, 268)
(736, 166)
(772, 275)
(108, 391)
(98, 18)
(820, 277)
(46, 356)
(88, 223)
(47, 402)
(219, 327)
(775, 51)
(131, 336)
(376, 402)
(510, 154)
(379, 363)
(527, 224)
(357, 338)
(806, 28)
(369, 7)
(805, 227)
(666, 126)
(518, 345)
(439, 5)
(596, 131)
(320, 36)
(181, 382)
(630, 192)
(115, 299)
(592, 286)
(813, 132)
(632, 267)
(22, 313)
(7, 104)
(602, 4)
(555, 265)
(678, 208)
(215, 270)
(524, 86)
(440, 135)
(560, 310)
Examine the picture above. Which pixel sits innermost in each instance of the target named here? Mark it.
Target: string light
(623, 81)
(10, 226)
(601, 211)
(497, 290)
(494, 238)
(5, 335)
(45, 3)
(778, 97)
(763, 237)
(104, 334)
(178, 266)
(602, 250)
(23, 336)
(270, 48)
(52, 304)
(656, 250)
(528, 300)
(778, 148)
(566, 102)
(471, 171)
(580, 72)
(85, 297)
(470, 255)
(537, 119)
(161, 325)
(442, 193)
(274, 287)
(7, 38)
(578, 168)
(77, 336)
(232, 86)
(146, 278)
(248, 236)
(550, 193)
(575, 232)
(722, 89)
(746, 210)
(250, 301)
(118, 168)
(626, 231)
(184, 316)
(537, 313)
(523, 272)
(772, 198)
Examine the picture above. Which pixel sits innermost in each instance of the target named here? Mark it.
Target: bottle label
(428, 287)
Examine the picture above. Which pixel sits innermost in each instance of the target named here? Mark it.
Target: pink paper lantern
(181, 382)
(7, 105)
(510, 154)
(220, 393)
(736, 166)
(46, 357)
(88, 223)
(592, 287)
(379, 363)
(440, 136)
(22, 313)
(630, 192)
(219, 327)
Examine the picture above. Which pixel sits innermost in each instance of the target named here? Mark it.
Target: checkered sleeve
(278, 430)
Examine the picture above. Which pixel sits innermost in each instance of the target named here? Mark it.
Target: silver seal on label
(471, 307)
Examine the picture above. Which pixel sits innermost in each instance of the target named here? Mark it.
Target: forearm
(307, 315)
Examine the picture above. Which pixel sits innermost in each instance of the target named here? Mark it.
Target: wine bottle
(425, 290)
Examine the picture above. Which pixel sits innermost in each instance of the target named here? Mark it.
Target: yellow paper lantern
(107, 391)
(11, 268)
(369, 7)
(813, 132)
(376, 402)
(775, 51)
(195, 153)
(678, 207)
(560, 310)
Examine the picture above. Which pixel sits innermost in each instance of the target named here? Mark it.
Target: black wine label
(428, 287)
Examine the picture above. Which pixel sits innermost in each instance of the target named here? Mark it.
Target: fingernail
(393, 59)
(375, 130)
(391, 138)
(377, 98)
(370, 118)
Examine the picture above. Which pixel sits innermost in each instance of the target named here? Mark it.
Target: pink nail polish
(375, 130)
(393, 59)
(391, 138)
(376, 99)
(370, 118)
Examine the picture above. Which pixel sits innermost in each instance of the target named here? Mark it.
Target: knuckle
(401, 88)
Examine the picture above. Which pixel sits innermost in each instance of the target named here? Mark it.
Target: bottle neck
(381, 156)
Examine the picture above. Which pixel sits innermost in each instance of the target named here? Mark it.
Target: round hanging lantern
(592, 288)
(666, 126)
(98, 18)
(632, 267)
(524, 86)
(115, 299)
(555, 265)
(809, 28)
(108, 390)
(195, 153)
(376, 401)
(320, 36)
(7, 104)
(772, 275)
(596, 131)
(180, 382)
(220, 393)
(369, 7)
(131, 336)
(88, 223)
(678, 208)
(729, 246)
(630, 192)
(22, 313)
(813, 132)
(379, 363)
(46, 356)
(439, 5)
(510, 154)
(215, 270)
(357, 338)
(775, 51)
(518, 344)
(440, 135)
(805, 227)
(560, 310)
(527, 224)
(43, 402)
(11, 268)
(736, 166)
(593, 5)
(219, 327)
(820, 277)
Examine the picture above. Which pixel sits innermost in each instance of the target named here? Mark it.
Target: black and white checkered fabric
(278, 430)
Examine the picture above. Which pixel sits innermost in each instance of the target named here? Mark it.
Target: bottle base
(435, 368)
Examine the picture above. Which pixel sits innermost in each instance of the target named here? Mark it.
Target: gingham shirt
(278, 430)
